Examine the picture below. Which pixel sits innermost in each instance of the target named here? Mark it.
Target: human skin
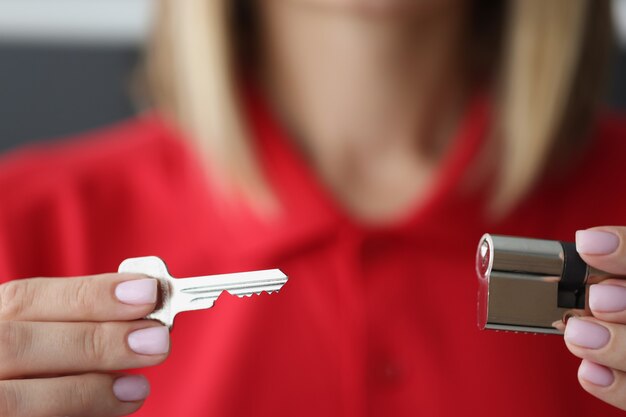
(371, 91)
(399, 96)
(63, 338)
(600, 340)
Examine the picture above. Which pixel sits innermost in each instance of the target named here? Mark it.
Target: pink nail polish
(596, 242)
(607, 298)
(131, 388)
(150, 341)
(139, 291)
(586, 334)
(596, 374)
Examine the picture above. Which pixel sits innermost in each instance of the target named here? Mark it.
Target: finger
(607, 300)
(604, 383)
(36, 348)
(97, 395)
(600, 342)
(93, 298)
(603, 248)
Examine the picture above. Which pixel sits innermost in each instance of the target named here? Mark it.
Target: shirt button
(391, 372)
(388, 372)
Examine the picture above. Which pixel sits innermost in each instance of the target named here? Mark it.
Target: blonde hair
(549, 76)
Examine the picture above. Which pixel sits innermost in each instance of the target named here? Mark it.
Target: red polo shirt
(374, 321)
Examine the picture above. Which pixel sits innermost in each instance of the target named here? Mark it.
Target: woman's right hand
(60, 339)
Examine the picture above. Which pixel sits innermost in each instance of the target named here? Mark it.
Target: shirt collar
(309, 215)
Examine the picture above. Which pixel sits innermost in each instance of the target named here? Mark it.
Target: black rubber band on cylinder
(572, 283)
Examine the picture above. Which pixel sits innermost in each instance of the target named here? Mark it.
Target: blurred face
(387, 8)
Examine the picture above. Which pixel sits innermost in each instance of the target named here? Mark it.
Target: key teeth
(250, 295)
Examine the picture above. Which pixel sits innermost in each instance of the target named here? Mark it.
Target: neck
(363, 95)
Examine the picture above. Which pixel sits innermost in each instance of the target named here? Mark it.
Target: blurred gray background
(65, 65)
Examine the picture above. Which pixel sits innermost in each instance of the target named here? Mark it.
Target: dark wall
(617, 90)
(56, 91)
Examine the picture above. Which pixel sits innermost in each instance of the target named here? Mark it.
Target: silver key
(187, 294)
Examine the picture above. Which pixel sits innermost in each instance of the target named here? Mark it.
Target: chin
(385, 8)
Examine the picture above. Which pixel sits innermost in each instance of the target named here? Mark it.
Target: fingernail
(595, 242)
(607, 298)
(131, 388)
(139, 291)
(586, 334)
(596, 374)
(150, 341)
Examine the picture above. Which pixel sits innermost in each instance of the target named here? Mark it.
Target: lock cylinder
(530, 284)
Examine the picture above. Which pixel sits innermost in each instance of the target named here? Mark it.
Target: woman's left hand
(601, 340)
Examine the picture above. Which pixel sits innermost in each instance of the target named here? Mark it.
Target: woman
(361, 146)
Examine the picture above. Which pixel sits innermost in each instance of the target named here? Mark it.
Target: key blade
(202, 292)
(239, 283)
